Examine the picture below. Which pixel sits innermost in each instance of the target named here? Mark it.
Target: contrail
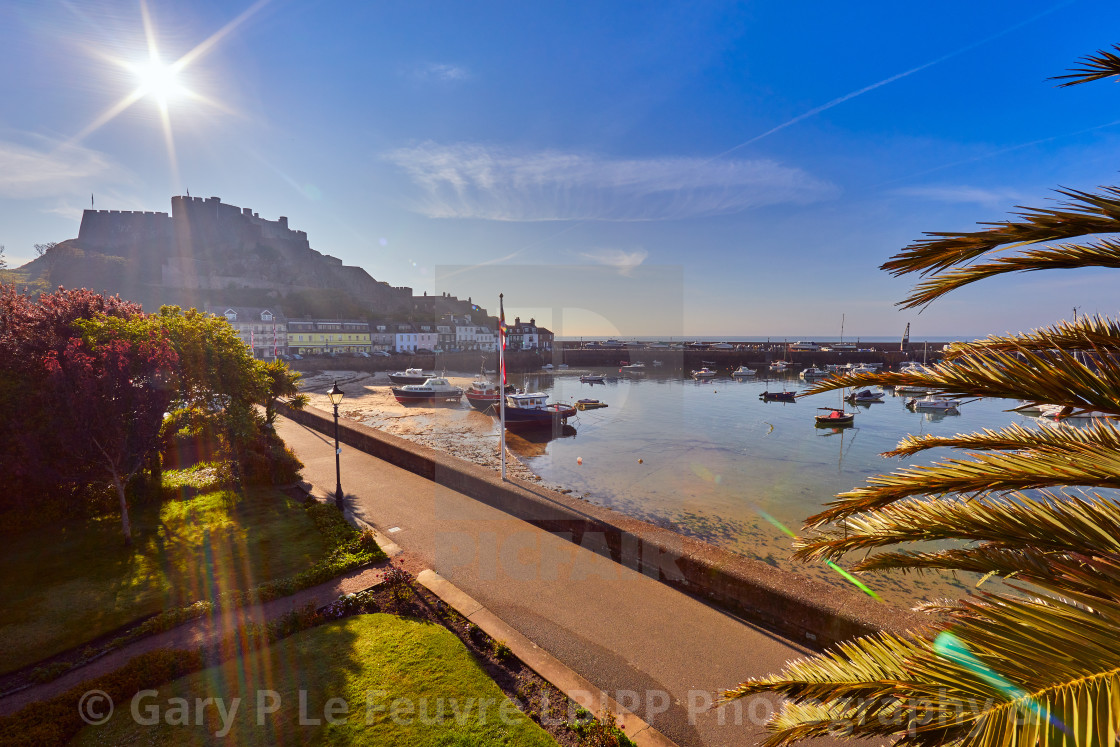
(892, 79)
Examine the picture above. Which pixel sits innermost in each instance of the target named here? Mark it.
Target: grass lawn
(65, 585)
(440, 694)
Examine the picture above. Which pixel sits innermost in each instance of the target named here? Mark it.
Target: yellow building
(328, 336)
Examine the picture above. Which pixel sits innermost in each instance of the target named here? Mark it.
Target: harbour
(709, 459)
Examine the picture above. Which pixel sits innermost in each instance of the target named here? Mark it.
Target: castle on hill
(205, 245)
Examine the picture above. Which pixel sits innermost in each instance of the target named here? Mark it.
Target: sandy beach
(470, 435)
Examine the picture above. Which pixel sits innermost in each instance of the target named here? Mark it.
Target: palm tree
(1036, 662)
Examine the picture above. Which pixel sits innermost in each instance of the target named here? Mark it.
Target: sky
(614, 168)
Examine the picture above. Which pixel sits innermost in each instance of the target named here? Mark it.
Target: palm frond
(1103, 64)
(1041, 376)
(1104, 253)
(1095, 437)
(1008, 671)
(982, 474)
(1087, 214)
(1089, 333)
(1089, 525)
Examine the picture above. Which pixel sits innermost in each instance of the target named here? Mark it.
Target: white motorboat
(638, 367)
(933, 403)
(907, 389)
(435, 389)
(704, 373)
(812, 372)
(658, 364)
(743, 371)
(779, 366)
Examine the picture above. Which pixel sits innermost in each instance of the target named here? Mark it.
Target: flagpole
(502, 377)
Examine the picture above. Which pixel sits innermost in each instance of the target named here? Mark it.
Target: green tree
(1038, 662)
(282, 384)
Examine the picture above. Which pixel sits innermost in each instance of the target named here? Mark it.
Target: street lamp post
(336, 397)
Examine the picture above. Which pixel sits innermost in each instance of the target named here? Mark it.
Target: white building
(264, 331)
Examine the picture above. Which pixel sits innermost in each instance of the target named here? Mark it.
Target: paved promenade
(659, 652)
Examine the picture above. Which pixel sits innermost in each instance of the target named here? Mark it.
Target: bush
(266, 460)
(59, 719)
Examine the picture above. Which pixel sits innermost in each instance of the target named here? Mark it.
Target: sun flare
(159, 81)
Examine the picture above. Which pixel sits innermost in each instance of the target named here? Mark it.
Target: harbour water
(712, 460)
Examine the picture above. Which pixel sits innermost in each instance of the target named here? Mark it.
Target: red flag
(502, 337)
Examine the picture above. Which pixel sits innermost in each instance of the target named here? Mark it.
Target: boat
(835, 418)
(779, 366)
(563, 366)
(1058, 412)
(484, 394)
(704, 373)
(593, 379)
(778, 396)
(932, 403)
(589, 404)
(533, 410)
(638, 367)
(658, 364)
(864, 397)
(410, 376)
(435, 389)
(546, 367)
(743, 371)
(909, 389)
(812, 372)
(805, 346)
(721, 346)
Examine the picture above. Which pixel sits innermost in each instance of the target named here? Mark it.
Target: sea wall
(801, 609)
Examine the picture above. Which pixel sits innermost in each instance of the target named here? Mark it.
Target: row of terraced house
(269, 334)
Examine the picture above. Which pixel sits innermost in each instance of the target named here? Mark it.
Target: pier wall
(801, 609)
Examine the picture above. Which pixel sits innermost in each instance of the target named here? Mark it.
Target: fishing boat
(533, 410)
(865, 397)
(589, 404)
(484, 394)
(742, 371)
(933, 403)
(835, 418)
(410, 376)
(593, 379)
(812, 372)
(778, 396)
(435, 389)
(703, 374)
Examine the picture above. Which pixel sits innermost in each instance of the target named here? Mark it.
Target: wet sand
(464, 433)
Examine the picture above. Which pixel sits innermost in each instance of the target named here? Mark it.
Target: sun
(159, 81)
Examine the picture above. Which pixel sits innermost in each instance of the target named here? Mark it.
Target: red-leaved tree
(110, 389)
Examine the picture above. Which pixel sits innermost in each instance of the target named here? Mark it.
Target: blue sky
(769, 155)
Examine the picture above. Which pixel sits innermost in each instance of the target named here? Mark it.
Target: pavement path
(657, 651)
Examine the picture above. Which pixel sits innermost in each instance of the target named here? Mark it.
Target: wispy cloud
(998, 199)
(493, 183)
(624, 262)
(26, 172)
(439, 71)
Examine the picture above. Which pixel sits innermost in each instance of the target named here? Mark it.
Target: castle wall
(109, 231)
